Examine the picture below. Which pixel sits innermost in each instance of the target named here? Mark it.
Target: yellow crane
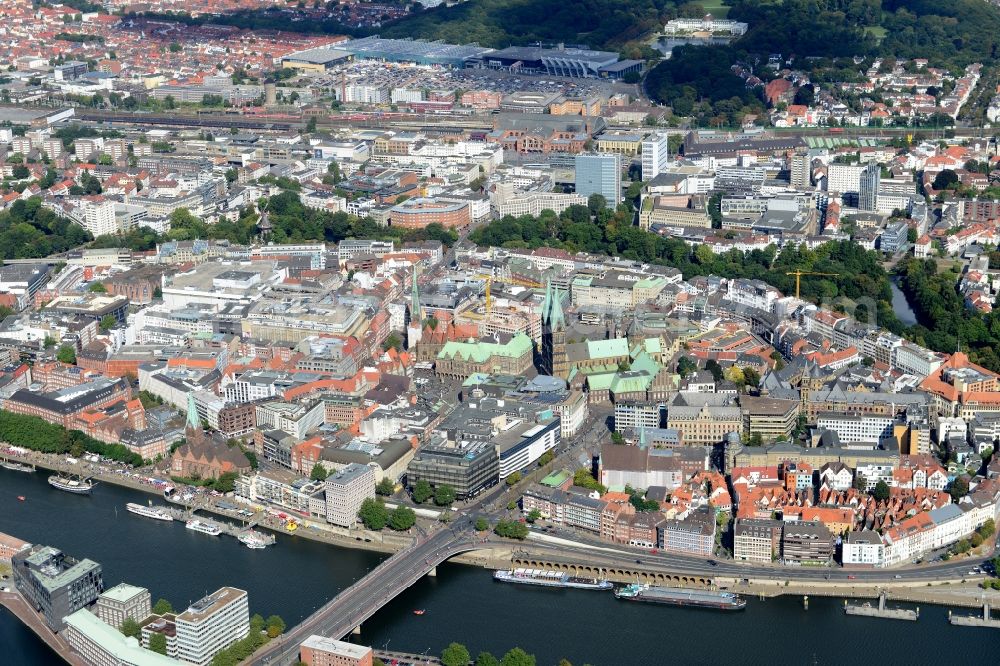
(798, 278)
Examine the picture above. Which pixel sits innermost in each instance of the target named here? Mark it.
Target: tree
(685, 366)
(226, 483)
(751, 376)
(393, 341)
(945, 179)
(256, 623)
(385, 487)
(486, 659)
(513, 479)
(275, 626)
(444, 495)
(97, 288)
(311, 125)
(66, 354)
(108, 322)
(455, 654)
(158, 643)
(596, 203)
(860, 482)
(131, 628)
(402, 518)
(422, 491)
(713, 366)
(162, 607)
(881, 491)
(482, 524)
(373, 514)
(533, 515)
(318, 472)
(517, 657)
(617, 438)
(959, 488)
(511, 529)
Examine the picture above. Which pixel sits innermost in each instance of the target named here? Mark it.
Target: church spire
(547, 302)
(557, 321)
(193, 420)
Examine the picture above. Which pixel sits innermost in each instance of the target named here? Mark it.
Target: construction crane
(798, 278)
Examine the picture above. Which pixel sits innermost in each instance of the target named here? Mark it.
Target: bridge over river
(349, 609)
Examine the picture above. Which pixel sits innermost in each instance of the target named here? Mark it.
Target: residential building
(693, 535)
(123, 602)
(806, 542)
(346, 490)
(757, 540)
(212, 624)
(655, 155)
(863, 550)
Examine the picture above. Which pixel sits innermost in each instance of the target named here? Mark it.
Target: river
(901, 306)
(462, 603)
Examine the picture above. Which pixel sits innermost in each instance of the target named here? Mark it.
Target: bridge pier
(433, 572)
(356, 631)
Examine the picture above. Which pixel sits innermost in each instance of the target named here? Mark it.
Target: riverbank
(961, 594)
(499, 555)
(381, 542)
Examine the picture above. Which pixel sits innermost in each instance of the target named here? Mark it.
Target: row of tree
(376, 516)
(457, 654)
(855, 273)
(33, 433)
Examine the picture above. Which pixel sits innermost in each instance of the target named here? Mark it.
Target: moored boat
(154, 512)
(15, 466)
(203, 527)
(546, 578)
(254, 540)
(77, 486)
(677, 596)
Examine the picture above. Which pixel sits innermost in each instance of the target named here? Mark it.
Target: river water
(462, 604)
(901, 306)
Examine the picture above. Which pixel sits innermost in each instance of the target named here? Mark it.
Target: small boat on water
(70, 485)
(20, 498)
(419, 611)
(203, 527)
(15, 466)
(154, 512)
(254, 540)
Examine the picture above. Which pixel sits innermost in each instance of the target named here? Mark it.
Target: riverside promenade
(23, 611)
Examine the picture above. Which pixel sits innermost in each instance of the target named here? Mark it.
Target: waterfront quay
(71, 522)
(22, 610)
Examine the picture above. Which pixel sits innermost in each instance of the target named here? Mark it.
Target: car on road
(897, 576)
(851, 577)
(713, 563)
(638, 561)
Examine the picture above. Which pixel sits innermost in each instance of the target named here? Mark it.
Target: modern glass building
(600, 174)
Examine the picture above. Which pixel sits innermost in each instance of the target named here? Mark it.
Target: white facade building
(212, 624)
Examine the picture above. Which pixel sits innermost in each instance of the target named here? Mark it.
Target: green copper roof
(479, 352)
(607, 348)
(601, 382)
(630, 382)
(645, 363)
